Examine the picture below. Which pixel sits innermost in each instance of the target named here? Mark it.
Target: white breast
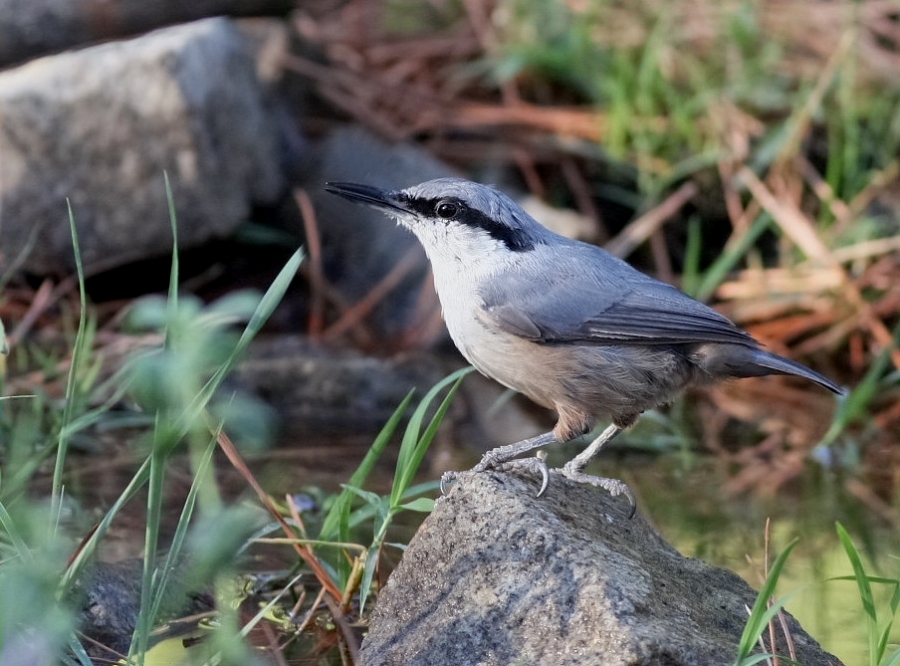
(462, 259)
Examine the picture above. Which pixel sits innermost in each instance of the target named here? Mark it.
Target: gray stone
(498, 576)
(109, 601)
(99, 126)
(324, 392)
(32, 28)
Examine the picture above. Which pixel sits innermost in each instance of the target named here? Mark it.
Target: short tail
(779, 365)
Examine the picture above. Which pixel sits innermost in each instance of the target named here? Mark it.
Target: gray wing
(594, 298)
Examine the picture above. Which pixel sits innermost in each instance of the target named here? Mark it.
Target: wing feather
(597, 299)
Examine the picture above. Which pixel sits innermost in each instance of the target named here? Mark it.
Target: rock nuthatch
(564, 322)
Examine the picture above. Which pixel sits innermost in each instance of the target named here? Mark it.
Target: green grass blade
(412, 451)
(78, 653)
(693, 249)
(884, 640)
(414, 446)
(895, 597)
(865, 593)
(336, 522)
(172, 300)
(78, 353)
(730, 257)
(857, 404)
(755, 659)
(149, 588)
(4, 348)
(181, 529)
(893, 660)
(90, 546)
(762, 613)
(365, 513)
(264, 310)
(12, 533)
(420, 504)
(859, 573)
(365, 583)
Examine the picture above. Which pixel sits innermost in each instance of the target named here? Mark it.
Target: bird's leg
(574, 468)
(502, 460)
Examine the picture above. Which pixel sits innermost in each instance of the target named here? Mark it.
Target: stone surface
(498, 576)
(32, 28)
(324, 392)
(99, 126)
(110, 602)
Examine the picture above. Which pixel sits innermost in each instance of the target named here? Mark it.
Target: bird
(564, 322)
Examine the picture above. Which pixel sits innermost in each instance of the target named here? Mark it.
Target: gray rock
(109, 597)
(323, 392)
(99, 126)
(32, 28)
(498, 576)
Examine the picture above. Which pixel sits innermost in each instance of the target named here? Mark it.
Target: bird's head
(453, 217)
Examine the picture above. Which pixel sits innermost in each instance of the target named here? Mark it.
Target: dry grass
(836, 309)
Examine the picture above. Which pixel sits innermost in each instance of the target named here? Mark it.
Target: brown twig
(824, 191)
(275, 650)
(316, 274)
(340, 620)
(359, 311)
(801, 230)
(790, 219)
(39, 303)
(641, 229)
(306, 553)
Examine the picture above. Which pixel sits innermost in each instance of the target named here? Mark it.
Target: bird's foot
(535, 465)
(613, 486)
(506, 458)
(447, 480)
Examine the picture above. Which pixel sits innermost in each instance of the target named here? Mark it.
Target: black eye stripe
(514, 239)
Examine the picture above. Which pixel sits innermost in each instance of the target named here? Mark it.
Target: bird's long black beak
(372, 196)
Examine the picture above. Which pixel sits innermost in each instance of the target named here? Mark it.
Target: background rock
(360, 244)
(32, 28)
(108, 594)
(498, 576)
(99, 126)
(324, 392)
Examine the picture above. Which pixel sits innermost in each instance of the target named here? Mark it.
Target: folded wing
(593, 299)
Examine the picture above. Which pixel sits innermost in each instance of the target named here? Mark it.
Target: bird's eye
(447, 210)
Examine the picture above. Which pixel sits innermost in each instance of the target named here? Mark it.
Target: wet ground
(683, 494)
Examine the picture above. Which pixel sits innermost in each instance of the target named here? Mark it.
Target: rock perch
(496, 576)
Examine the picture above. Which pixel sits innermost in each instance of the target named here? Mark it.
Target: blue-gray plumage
(564, 322)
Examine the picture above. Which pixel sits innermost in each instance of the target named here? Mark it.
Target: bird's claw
(535, 465)
(614, 487)
(447, 479)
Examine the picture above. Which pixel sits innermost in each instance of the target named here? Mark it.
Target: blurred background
(745, 151)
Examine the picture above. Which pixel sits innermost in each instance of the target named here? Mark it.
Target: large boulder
(99, 127)
(497, 576)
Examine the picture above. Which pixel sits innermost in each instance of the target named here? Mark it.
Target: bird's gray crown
(476, 206)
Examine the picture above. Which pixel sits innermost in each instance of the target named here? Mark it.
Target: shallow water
(683, 496)
(686, 503)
